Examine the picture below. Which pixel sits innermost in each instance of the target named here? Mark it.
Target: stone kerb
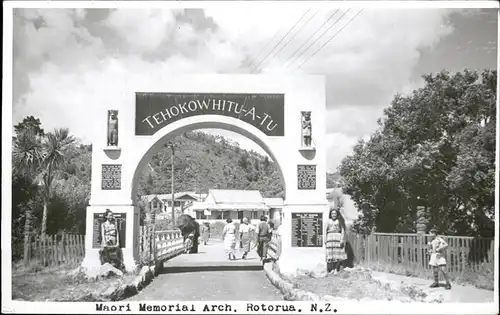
(171, 244)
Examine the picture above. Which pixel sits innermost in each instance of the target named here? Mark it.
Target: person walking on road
(263, 237)
(205, 232)
(438, 262)
(335, 235)
(229, 237)
(245, 232)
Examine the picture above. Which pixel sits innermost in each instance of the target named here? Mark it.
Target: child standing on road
(438, 262)
(188, 243)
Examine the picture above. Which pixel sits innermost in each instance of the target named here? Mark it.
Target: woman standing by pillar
(335, 241)
(110, 247)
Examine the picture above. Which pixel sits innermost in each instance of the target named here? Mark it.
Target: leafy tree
(435, 148)
(27, 157)
(29, 123)
(55, 148)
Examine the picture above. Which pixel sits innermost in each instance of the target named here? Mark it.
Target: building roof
(190, 195)
(228, 206)
(148, 198)
(236, 196)
(233, 200)
(273, 202)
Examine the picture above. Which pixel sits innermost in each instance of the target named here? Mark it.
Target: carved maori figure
(112, 128)
(306, 128)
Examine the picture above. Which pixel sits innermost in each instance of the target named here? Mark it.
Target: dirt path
(457, 294)
(209, 275)
(242, 285)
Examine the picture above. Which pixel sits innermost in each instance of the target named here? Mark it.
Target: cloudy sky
(68, 62)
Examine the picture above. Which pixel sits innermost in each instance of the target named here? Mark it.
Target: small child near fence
(438, 262)
(188, 243)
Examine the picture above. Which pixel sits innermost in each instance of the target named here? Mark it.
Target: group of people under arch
(245, 233)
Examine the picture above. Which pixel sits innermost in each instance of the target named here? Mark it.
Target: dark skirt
(113, 256)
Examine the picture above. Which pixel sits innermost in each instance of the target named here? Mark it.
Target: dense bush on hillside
(203, 162)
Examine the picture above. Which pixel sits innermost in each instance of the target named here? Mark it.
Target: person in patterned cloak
(111, 251)
(335, 241)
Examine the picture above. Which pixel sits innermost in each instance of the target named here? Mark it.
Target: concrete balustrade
(168, 244)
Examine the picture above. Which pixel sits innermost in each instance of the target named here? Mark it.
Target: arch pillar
(116, 169)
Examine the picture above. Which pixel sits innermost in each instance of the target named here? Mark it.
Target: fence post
(53, 248)
(28, 237)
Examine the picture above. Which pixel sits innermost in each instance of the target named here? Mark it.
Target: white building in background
(220, 205)
(275, 209)
(349, 210)
(161, 204)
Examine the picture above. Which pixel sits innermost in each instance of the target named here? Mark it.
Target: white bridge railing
(157, 246)
(169, 244)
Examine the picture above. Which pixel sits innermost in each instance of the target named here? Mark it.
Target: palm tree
(56, 146)
(27, 157)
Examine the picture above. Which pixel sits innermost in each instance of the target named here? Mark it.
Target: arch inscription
(263, 111)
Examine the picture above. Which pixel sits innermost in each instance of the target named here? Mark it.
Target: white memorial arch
(267, 109)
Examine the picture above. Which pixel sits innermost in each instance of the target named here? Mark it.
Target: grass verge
(59, 283)
(357, 284)
(483, 279)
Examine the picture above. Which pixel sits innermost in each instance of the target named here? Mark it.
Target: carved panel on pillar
(306, 177)
(111, 176)
(307, 229)
(99, 219)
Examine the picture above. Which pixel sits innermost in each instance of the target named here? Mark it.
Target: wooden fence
(411, 251)
(158, 246)
(54, 250)
(59, 249)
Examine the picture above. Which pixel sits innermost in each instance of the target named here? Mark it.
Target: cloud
(365, 64)
(142, 29)
(352, 120)
(68, 63)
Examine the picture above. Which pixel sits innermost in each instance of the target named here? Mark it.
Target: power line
(265, 47)
(307, 22)
(305, 42)
(279, 42)
(349, 22)
(314, 42)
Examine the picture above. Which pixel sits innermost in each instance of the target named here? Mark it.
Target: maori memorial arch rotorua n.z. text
(285, 115)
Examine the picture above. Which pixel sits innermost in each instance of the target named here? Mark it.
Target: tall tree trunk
(44, 217)
(27, 232)
(422, 220)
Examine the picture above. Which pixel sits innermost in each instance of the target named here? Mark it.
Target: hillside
(203, 162)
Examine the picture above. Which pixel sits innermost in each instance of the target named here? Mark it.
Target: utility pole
(173, 199)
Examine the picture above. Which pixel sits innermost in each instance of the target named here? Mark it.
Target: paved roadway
(209, 276)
